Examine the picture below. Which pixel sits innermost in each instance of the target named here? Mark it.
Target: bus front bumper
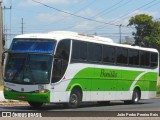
(33, 97)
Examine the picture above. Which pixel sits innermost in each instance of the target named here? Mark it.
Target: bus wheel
(75, 98)
(136, 96)
(35, 104)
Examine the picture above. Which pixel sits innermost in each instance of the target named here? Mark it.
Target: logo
(6, 114)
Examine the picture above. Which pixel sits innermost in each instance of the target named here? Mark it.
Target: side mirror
(2, 61)
(3, 58)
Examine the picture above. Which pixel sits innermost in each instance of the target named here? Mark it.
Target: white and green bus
(70, 68)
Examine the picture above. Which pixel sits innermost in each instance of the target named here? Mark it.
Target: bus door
(60, 64)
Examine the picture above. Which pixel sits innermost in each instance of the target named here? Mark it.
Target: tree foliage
(147, 31)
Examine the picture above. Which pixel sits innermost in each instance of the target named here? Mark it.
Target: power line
(115, 21)
(64, 18)
(107, 9)
(101, 12)
(74, 14)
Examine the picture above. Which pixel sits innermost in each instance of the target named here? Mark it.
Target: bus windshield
(28, 68)
(29, 61)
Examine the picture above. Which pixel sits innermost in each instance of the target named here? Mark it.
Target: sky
(105, 16)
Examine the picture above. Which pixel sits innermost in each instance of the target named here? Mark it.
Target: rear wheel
(35, 104)
(135, 97)
(75, 99)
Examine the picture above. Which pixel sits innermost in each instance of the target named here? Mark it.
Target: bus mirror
(2, 61)
(3, 57)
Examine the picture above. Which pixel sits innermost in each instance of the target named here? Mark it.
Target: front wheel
(35, 104)
(75, 99)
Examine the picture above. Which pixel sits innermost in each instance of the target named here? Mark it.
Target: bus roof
(59, 35)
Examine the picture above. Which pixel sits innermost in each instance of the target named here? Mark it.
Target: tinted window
(108, 54)
(75, 50)
(79, 50)
(83, 51)
(63, 49)
(133, 57)
(144, 58)
(61, 60)
(122, 55)
(154, 59)
(94, 52)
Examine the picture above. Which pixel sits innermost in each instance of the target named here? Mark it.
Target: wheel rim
(74, 99)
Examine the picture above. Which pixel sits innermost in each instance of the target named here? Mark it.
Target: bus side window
(144, 58)
(154, 59)
(133, 57)
(94, 52)
(108, 54)
(79, 50)
(61, 60)
(122, 54)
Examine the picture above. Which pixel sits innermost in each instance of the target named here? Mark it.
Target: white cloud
(30, 3)
(50, 17)
(56, 16)
(87, 13)
(84, 26)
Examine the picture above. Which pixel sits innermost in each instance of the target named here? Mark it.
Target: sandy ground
(1, 87)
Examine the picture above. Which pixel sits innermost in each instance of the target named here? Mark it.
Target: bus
(64, 67)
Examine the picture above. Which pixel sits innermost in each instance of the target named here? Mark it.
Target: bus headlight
(7, 89)
(42, 91)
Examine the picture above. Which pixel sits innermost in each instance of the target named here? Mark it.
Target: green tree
(144, 26)
(155, 36)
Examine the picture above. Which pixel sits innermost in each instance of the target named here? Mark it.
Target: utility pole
(1, 39)
(120, 40)
(1, 30)
(22, 28)
(8, 8)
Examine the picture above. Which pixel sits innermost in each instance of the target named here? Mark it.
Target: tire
(35, 104)
(136, 96)
(75, 99)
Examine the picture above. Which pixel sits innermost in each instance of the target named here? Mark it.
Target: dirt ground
(1, 87)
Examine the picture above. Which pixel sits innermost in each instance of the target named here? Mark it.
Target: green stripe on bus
(98, 79)
(148, 82)
(33, 97)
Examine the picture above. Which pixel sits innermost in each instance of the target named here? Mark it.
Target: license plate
(21, 97)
